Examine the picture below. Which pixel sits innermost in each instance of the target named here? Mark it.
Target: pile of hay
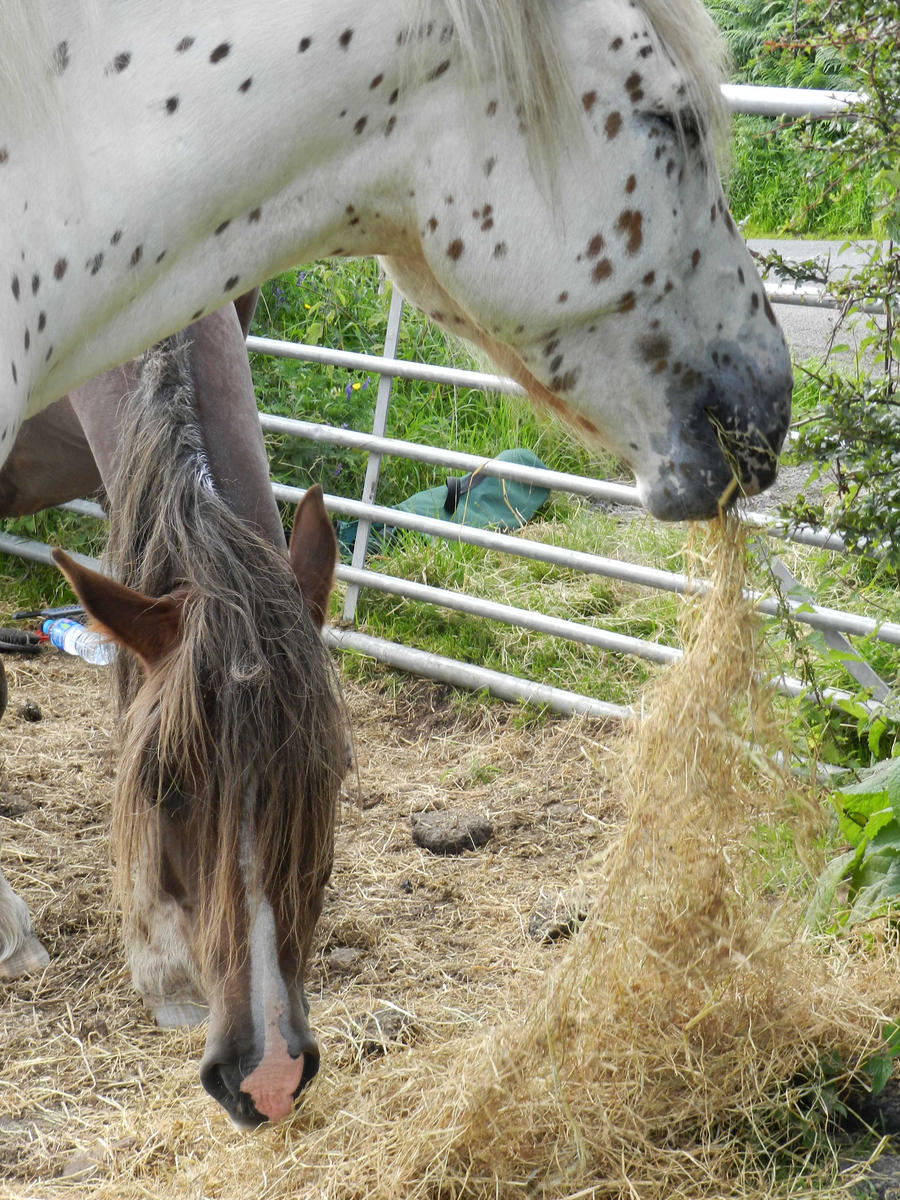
(673, 1049)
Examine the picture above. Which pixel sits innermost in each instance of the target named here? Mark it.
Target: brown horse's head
(233, 752)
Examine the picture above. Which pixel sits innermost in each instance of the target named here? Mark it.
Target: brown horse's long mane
(246, 704)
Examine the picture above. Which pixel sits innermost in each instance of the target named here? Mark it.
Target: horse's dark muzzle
(727, 434)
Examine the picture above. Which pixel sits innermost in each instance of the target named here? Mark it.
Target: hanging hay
(672, 1050)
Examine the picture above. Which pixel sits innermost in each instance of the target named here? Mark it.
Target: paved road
(808, 330)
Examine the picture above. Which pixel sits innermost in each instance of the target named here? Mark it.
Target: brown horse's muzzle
(259, 1083)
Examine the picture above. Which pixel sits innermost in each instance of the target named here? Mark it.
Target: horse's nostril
(213, 1080)
(239, 1106)
(310, 1067)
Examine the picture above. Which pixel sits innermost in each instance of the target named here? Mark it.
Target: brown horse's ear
(148, 627)
(313, 553)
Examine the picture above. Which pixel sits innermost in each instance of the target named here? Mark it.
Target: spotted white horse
(538, 176)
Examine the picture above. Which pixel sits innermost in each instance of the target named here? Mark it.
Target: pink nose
(274, 1083)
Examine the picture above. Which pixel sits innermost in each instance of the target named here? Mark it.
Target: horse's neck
(225, 413)
(190, 174)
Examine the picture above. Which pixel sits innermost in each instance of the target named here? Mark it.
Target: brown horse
(233, 742)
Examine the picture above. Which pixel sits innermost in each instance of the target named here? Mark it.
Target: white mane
(521, 41)
(689, 34)
(25, 60)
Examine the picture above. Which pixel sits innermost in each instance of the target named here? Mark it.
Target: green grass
(25, 585)
(777, 187)
(313, 306)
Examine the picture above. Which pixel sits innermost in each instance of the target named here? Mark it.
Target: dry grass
(666, 1052)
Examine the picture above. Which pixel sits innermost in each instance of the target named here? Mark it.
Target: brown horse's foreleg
(65, 452)
(226, 407)
(245, 307)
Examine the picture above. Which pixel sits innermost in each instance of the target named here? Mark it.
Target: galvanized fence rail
(834, 623)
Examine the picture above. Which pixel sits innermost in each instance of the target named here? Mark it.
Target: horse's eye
(683, 124)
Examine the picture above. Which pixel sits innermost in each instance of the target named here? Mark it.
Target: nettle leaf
(853, 708)
(886, 837)
(881, 1068)
(862, 817)
(882, 779)
(877, 730)
(874, 886)
(826, 886)
(891, 1035)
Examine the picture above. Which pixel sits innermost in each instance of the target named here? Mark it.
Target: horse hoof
(31, 956)
(175, 1013)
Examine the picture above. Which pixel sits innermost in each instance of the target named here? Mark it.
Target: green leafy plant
(764, 39)
(868, 813)
(855, 428)
(783, 176)
(880, 1066)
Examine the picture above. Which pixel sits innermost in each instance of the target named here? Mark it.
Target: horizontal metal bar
(525, 618)
(818, 616)
(814, 296)
(84, 508)
(788, 102)
(11, 543)
(618, 493)
(397, 367)
(806, 535)
(489, 540)
(475, 678)
(574, 631)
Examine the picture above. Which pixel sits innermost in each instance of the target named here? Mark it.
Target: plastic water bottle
(72, 637)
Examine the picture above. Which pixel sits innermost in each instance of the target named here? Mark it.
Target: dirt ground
(95, 1100)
